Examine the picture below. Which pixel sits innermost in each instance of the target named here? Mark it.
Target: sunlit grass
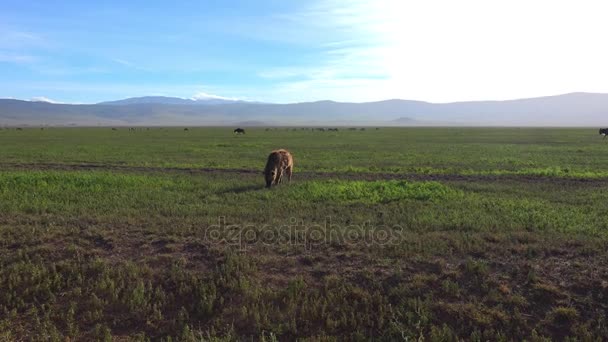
(371, 192)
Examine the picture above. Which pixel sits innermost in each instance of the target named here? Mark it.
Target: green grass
(401, 150)
(372, 192)
(514, 248)
(108, 197)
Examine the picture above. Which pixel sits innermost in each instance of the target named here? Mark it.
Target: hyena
(279, 162)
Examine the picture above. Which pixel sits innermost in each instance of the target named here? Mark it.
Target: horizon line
(232, 101)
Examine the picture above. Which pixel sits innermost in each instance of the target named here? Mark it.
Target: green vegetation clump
(371, 192)
(556, 172)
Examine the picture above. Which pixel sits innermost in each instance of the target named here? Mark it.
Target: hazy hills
(574, 109)
(169, 100)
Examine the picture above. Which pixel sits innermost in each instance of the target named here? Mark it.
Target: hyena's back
(279, 162)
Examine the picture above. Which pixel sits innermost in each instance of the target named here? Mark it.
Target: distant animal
(333, 129)
(19, 129)
(114, 129)
(239, 131)
(186, 129)
(604, 132)
(279, 162)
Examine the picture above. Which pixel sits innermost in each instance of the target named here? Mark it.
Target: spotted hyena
(279, 162)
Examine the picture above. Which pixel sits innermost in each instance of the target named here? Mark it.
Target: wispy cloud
(351, 53)
(130, 64)
(283, 73)
(122, 62)
(17, 39)
(67, 70)
(206, 96)
(16, 58)
(16, 46)
(43, 99)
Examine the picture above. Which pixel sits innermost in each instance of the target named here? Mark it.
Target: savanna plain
(433, 234)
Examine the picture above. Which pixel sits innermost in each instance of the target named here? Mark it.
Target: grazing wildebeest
(604, 132)
(239, 131)
(279, 162)
(186, 129)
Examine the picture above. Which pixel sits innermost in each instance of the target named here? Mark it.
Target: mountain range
(573, 109)
(171, 100)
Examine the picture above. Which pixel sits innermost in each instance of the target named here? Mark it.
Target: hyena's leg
(289, 171)
(275, 179)
(280, 176)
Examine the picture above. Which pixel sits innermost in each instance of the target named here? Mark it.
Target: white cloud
(122, 62)
(130, 64)
(206, 96)
(43, 99)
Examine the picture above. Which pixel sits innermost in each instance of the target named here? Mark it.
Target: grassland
(418, 150)
(391, 234)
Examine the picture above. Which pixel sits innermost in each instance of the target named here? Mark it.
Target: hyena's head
(270, 176)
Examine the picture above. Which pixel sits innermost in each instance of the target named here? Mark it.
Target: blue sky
(292, 51)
